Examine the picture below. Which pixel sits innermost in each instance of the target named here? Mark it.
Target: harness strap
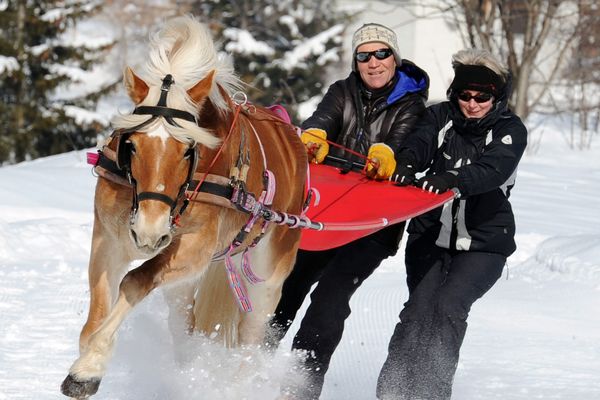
(214, 160)
(214, 190)
(260, 146)
(235, 282)
(166, 112)
(247, 269)
(157, 196)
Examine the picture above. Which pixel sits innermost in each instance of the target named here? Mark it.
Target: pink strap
(236, 284)
(260, 146)
(247, 269)
(92, 158)
(269, 194)
(309, 191)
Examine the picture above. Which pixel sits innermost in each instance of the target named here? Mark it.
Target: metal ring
(236, 98)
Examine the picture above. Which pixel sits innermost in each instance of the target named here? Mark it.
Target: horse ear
(135, 86)
(202, 88)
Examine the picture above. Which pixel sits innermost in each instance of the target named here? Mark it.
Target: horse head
(159, 156)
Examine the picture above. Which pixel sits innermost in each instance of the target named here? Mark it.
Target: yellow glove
(316, 146)
(382, 162)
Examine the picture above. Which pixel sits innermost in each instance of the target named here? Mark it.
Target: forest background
(60, 74)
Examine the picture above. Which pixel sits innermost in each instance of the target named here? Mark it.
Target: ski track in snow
(535, 335)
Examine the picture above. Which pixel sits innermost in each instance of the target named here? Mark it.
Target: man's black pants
(424, 349)
(339, 272)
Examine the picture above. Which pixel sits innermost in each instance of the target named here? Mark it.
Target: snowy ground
(535, 335)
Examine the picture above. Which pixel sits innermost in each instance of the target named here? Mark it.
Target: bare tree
(581, 79)
(532, 36)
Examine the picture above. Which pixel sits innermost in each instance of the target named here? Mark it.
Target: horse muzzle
(150, 232)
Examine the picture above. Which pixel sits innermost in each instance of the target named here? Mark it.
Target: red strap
(214, 160)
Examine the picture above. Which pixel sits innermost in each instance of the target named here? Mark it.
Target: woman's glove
(316, 145)
(438, 183)
(381, 164)
(405, 173)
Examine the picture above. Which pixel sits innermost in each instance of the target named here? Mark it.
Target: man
(371, 112)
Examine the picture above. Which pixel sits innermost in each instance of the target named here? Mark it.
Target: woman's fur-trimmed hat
(372, 32)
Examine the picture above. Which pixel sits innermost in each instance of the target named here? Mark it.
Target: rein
(346, 149)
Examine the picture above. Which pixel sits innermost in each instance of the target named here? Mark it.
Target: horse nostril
(163, 241)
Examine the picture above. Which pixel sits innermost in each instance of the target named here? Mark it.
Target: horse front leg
(87, 371)
(107, 266)
(173, 265)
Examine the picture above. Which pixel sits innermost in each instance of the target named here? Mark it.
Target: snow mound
(573, 258)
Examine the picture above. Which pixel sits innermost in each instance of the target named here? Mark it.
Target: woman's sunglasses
(365, 56)
(479, 97)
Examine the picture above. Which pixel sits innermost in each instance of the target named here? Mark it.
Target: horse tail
(216, 313)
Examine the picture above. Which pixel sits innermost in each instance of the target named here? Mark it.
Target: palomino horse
(186, 127)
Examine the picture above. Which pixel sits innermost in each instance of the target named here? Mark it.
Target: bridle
(125, 147)
(229, 192)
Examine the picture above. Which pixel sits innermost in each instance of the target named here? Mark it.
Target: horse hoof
(79, 389)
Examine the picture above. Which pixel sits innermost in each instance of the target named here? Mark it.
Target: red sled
(351, 206)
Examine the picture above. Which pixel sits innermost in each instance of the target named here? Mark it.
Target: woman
(371, 112)
(471, 144)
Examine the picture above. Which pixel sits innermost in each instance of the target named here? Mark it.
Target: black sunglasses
(479, 98)
(381, 54)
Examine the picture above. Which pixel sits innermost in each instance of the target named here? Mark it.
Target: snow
(312, 46)
(8, 64)
(290, 22)
(535, 335)
(242, 42)
(83, 116)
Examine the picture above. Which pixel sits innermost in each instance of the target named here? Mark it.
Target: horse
(194, 181)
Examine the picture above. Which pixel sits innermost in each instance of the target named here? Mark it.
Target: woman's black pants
(424, 349)
(339, 272)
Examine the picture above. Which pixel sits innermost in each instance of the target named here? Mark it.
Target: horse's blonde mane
(185, 49)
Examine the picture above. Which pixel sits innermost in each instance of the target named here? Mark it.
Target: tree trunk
(521, 90)
(21, 146)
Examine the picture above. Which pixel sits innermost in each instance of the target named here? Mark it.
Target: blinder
(192, 155)
(124, 148)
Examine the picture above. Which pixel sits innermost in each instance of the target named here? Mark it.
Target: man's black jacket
(356, 117)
